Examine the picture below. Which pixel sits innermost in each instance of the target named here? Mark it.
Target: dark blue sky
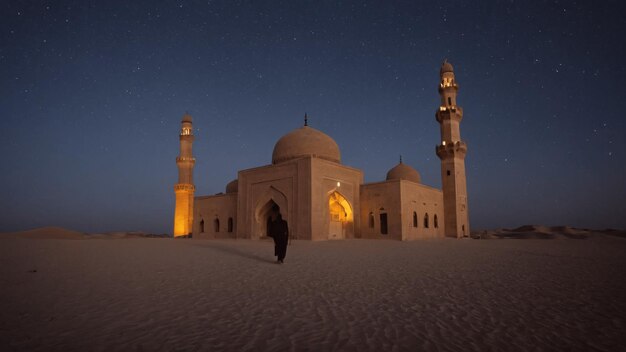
(92, 94)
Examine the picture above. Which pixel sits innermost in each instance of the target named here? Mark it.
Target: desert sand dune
(59, 233)
(353, 295)
(546, 233)
(49, 232)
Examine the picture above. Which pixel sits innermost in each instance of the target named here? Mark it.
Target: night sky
(92, 94)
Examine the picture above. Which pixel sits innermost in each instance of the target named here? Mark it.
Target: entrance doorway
(383, 223)
(268, 212)
(271, 202)
(340, 216)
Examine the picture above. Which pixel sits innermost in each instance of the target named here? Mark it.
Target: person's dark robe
(280, 233)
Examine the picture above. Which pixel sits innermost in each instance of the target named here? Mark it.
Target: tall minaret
(184, 189)
(452, 152)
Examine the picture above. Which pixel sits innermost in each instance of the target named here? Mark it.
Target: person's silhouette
(279, 231)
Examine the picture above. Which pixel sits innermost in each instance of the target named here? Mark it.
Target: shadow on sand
(234, 251)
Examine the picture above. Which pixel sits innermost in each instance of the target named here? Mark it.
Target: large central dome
(305, 141)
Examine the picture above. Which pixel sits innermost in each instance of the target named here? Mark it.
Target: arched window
(230, 224)
(435, 221)
(449, 101)
(414, 219)
(426, 220)
(216, 225)
(202, 225)
(371, 220)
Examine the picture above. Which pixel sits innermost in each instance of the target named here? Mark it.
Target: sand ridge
(546, 232)
(48, 232)
(60, 233)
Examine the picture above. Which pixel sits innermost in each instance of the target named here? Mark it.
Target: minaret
(184, 189)
(452, 152)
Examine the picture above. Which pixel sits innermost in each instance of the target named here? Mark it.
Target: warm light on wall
(183, 212)
(338, 184)
(338, 205)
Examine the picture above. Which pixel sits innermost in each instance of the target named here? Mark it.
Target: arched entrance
(265, 215)
(340, 216)
(272, 203)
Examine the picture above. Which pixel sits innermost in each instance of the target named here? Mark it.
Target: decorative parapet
(183, 158)
(449, 113)
(184, 187)
(443, 86)
(451, 149)
(186, 137)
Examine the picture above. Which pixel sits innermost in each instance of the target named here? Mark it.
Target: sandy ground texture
(147, 294)
(547, 233)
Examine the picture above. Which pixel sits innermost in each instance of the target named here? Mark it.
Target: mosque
(322, 199)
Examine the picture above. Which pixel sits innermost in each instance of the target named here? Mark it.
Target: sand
(547, 233)
(49, 232)
(147, 294)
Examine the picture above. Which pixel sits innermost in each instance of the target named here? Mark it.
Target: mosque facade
(322, 199)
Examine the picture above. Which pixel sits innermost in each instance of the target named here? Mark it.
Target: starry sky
(92, 94)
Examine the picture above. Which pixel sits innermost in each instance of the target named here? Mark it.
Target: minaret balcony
(186, 137)
(444, 86)
(184, 160)
(451, 149)
(449, 112)
(185, 187)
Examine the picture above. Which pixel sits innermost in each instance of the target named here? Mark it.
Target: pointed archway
(341, 217)
(264, 215)
(272, 203)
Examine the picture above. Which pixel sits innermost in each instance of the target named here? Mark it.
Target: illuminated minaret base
(184, 189)
(452, 152)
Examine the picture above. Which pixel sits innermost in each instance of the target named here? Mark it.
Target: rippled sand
(355, 295)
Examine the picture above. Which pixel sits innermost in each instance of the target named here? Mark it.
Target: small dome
(305, 141)
(446, 67)
(232, 186)
(403, 172)
(187, 118)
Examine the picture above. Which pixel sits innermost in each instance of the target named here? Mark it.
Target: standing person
(280, 233)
